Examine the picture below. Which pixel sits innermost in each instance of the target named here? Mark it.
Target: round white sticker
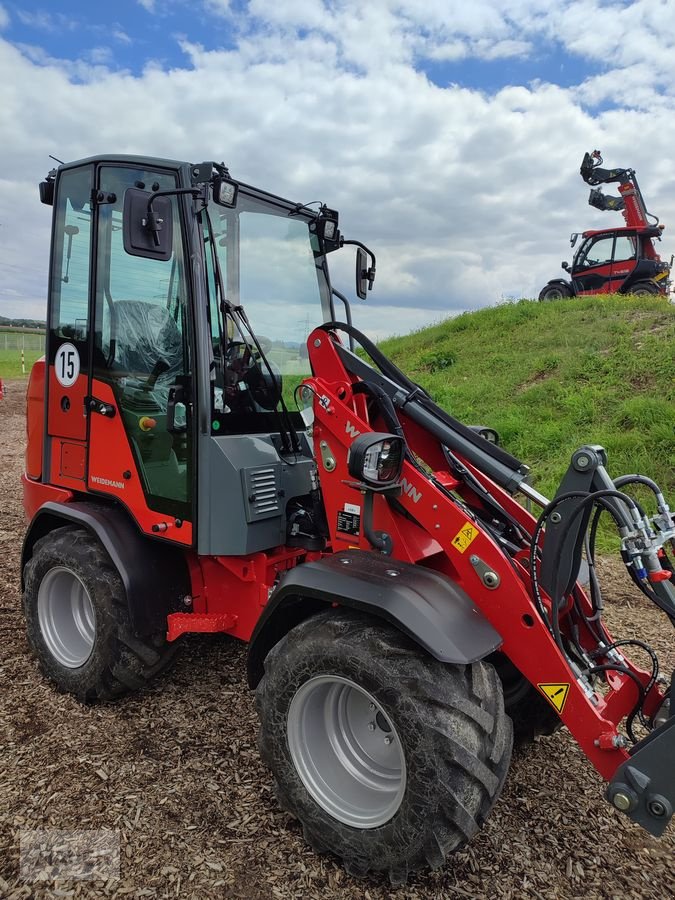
(67, 365)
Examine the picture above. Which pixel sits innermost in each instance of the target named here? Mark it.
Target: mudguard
(424, 604)
(154, 574)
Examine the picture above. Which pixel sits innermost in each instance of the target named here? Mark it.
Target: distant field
(12, 342)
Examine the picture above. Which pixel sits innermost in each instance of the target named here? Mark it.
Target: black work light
(327, 229)
(376, 458)
(225, 191)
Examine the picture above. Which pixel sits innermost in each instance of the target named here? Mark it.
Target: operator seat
(146, 339)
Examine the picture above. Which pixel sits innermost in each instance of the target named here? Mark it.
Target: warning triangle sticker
(556, 694)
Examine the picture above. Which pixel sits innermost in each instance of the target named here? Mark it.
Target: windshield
(270, 265)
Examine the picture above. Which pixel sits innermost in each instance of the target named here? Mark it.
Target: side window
(72, 240)
(624, 248)
(600, 252)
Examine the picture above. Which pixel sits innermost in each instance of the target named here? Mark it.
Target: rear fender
(424, 604)
(155, 575)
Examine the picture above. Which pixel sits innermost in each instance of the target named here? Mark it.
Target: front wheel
(555, 292)
(390, 759)
(642, 288)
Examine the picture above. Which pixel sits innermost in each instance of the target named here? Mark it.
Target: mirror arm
(370, 274)
(152, 222)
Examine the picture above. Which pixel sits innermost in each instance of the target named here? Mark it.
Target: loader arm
(630, 201)
(456, 514)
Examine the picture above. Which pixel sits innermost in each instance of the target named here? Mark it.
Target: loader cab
(160, 395)
(612, 261)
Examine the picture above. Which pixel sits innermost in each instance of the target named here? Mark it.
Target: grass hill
(553, 376)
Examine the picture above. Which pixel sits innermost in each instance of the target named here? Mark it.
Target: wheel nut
(371, 726)
(387, 740)
(371, 706)
(622, 801)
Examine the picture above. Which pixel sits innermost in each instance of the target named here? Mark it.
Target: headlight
(376, 458)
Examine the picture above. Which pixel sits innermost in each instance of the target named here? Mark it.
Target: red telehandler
(614, 260)
(207, 453)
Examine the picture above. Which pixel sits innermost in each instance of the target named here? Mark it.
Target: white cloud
(464, 196)
(4, 17)
(45, 21)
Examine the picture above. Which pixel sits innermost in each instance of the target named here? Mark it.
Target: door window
(72, 239)
(624, 248)
(142, 342)
(599, 253)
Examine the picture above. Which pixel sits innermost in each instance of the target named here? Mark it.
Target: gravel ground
(176, 772)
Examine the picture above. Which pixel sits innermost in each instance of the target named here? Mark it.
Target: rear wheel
(644, 287)
(78, 621)
(555, 292)
(389, 758)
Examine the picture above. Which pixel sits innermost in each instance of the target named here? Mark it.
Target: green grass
(11, 342)
(10, 362)
(553, 376)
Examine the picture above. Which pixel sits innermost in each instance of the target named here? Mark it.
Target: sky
(448, 134)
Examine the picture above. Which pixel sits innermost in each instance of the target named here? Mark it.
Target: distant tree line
(34, 324)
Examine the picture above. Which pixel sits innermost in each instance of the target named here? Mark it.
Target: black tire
(530, 713)
(454, 735)
(555, 292)
(642, 288)
(119, 661)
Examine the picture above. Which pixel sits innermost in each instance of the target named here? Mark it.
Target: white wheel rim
(66, 617)
(346, 751)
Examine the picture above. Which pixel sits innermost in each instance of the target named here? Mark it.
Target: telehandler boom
(207, 453)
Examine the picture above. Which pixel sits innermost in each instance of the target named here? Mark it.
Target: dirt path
(176, 771)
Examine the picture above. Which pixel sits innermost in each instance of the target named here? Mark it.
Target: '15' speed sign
(67, 365)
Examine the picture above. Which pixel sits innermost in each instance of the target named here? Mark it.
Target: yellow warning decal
(465, 537)
(556, 694)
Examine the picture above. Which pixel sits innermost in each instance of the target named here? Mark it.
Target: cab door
(592, 272)
(141, 440)
(624, 260)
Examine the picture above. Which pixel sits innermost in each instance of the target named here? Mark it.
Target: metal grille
(261, 486)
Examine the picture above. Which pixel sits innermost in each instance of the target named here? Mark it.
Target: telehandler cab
(207, 453)
(614, 260)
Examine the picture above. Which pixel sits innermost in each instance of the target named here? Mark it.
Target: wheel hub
(66, 616)
(346, 751)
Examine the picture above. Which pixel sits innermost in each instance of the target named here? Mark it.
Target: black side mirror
(362, 280)
(147, 225)
(565, 265)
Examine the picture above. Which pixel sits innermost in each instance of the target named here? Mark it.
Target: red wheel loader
(208, 453)
(614, 260)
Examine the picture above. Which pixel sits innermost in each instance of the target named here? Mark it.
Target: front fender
(154, 574)
(426, 605)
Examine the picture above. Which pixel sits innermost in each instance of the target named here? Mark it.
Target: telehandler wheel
(642, 288)
(555, 292)
(78, 622)
(389, 758)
